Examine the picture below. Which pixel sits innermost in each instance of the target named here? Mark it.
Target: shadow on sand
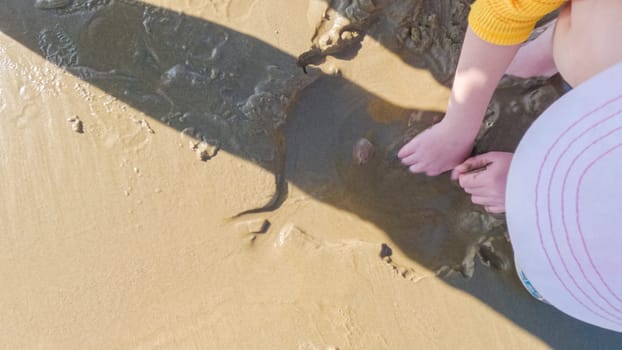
(234, 93)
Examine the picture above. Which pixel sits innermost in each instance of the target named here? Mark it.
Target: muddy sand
(221, 174)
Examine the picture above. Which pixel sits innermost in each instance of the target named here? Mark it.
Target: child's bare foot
(437, 149)
(535, 58)
(484, 178)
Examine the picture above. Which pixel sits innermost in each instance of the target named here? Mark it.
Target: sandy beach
(222, 174)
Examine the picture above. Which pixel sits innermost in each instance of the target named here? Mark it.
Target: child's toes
(410, 160)
(406, 150)
(417, 168)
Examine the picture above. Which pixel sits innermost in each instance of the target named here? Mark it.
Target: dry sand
(172, 179)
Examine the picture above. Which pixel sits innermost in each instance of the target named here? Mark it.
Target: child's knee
(582, 44)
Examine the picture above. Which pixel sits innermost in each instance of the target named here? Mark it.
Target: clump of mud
(427, 34)
(341, 27)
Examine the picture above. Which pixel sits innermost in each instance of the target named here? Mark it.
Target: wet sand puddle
(258, 202)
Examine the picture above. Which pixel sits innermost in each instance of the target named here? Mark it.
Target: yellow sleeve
(508, 22)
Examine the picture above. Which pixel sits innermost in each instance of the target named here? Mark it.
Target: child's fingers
(455, 174)
(495, 209)
(472, 180)
(473, 163)
(482, 200)
(476, 190)
(479, 161)
(487, 201)
(457, 171)
(461, 169)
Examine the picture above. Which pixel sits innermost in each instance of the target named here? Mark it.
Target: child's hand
(437, 149)
(484, 178)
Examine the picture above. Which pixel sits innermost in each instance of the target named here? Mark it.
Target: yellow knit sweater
(508, 22)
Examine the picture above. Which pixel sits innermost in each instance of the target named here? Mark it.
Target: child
(579, 46)
(564, 201)
(563, 195)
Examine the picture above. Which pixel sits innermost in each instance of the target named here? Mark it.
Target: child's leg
(585, 39)
(535, 58)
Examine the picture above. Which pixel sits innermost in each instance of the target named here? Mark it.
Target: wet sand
(173, 178)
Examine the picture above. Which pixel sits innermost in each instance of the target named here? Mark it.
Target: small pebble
(363, 151)
(76, 124)
(205, 150)
(385, 251)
